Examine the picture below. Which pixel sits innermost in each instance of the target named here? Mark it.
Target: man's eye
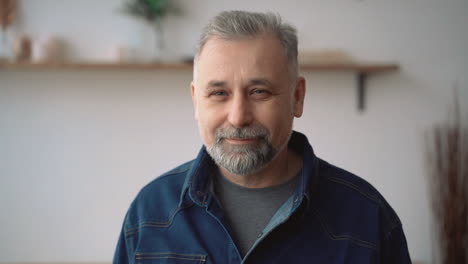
(219, 93)
(260, 92)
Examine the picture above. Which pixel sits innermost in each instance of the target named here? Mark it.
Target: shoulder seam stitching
(354, 240)
(175, 211)
(355, 187)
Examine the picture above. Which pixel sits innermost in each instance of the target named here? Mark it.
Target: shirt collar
(198, 181)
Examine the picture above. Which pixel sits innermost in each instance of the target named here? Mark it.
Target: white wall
(76, 146)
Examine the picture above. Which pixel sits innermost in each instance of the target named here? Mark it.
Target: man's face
(245, 101)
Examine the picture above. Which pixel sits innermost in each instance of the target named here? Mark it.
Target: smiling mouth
(241, 140)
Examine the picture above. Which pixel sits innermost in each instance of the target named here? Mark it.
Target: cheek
(278, 119)
(208, 122)
(210, 118)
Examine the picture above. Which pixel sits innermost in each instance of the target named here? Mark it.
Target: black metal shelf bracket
(361, 79)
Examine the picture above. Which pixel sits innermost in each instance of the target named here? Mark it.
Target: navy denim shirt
(333, 217)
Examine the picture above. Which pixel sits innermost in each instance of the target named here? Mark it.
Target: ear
(194, 100)
(299, 94)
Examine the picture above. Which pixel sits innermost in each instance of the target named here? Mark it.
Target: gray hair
(230, 25)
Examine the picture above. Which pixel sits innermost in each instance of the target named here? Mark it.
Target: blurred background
(77, 144)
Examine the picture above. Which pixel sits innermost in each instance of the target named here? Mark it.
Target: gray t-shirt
(249, 210)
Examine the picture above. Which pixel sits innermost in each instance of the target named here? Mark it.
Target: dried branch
(448, 162)
(7, 13)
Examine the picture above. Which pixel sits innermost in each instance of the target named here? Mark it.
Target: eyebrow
(260, 81)
(257, 81)
(215, 84)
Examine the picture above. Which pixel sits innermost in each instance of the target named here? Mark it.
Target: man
(256, 193)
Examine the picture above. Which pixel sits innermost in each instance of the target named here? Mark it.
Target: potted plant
(153, 13)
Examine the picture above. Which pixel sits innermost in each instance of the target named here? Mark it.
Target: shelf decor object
(447, 160)
(23, 48)
(7, 16)
(362, 70)
(153, 13)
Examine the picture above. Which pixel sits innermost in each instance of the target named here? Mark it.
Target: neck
(280, 170)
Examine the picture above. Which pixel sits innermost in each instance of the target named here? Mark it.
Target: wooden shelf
(351, 67)
(94, 66)
(362, 70)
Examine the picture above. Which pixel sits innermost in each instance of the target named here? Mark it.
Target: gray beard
(243, 159)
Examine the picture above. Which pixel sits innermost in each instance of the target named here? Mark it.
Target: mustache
(242, 133)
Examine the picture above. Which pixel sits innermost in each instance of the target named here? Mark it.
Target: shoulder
(350, 184)
(156, 201)
(170, 181)
(349, 206)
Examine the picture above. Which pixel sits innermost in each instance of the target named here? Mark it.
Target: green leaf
(149, 10)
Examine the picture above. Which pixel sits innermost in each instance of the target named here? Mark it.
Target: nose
(240, 112)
